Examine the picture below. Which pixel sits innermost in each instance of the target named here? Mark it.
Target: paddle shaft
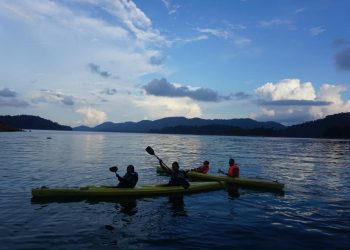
(165, 167)
(151, 152)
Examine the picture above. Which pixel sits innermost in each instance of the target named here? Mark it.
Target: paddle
(113, 169)
(151, 152)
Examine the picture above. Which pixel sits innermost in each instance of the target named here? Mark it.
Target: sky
(90, 61)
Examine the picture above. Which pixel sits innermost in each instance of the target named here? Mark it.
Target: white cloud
(273, 23)
(290, 101)
(268, 112)
(159, 107)
(227, 34)
(134, 19)
(56, 40)
(331, 93)
(92, 116)
(172, 8)
(216, 32)
(49, 96)
(65, 33)
(287, 89)
(300, 10)
(315, 31)
(190, 40)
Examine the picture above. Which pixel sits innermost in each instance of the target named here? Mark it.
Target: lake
(314, 211)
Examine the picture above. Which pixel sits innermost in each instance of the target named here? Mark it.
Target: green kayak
(252, 183)
(94, 192)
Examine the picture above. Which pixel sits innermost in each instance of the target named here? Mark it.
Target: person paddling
(233, 170)
(202, 169)
(129, 180)
(178, 177)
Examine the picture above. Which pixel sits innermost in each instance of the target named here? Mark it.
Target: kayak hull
(94, 192)
(241, 182)
(252, 183)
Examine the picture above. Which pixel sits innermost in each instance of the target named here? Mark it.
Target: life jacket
(203, 169)
(233, 171)
(179, 179)
(129, 180)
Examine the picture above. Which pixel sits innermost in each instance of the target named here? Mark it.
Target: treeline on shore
(7, 128)
(216, 130)
(20, 122)
(332, 126)
(329, 132)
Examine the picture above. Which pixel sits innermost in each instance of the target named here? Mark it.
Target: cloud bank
(9, 98)
(162, 87)
(159, 107)
(5, 92)
(50, 96)
(287, 89)
(94, 68)
(92, 116)
(290, 101)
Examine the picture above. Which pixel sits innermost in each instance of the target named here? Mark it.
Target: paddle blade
(150, 150)
(113, 169)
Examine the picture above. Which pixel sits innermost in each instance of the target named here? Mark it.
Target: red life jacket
(233, 171)
(203, 169)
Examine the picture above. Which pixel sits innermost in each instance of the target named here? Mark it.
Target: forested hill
(31, 122)
(332, 126)
(146, 126)
(6, 128)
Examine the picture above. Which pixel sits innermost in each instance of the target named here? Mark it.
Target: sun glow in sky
(89, 61)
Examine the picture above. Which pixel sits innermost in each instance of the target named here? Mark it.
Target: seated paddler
(178, 176)
(202, 169)
(129, 180)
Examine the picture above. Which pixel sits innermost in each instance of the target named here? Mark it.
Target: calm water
(314, 212)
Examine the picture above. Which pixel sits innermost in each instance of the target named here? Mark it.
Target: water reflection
(177, 205)
(91, 144)
(127, 207)
(233, 191)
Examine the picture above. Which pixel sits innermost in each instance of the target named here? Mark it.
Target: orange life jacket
(233, 171)
(203, 169)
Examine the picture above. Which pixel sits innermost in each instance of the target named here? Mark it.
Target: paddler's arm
(165, 168)
(222, 172)
(119, 177)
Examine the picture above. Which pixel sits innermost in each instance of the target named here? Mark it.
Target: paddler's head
(130, 169)
(231, 162)
(175, 166)
(206, 163)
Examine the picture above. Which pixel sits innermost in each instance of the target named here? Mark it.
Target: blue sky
(88, 61)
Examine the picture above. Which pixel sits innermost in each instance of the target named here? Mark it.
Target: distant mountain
(147, 126)
(332, 126)
(83, 128)
(31, 122)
